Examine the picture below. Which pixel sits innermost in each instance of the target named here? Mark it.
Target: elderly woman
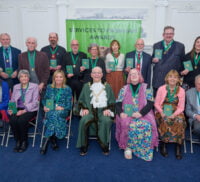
(55, 120)
(114, 67)
(194, 57)
(94, 61)
(25, 95)
(169, 104)
(136, 129)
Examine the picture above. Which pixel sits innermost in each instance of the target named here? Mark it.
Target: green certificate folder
(168, 110)
(129, 62)
(85, 63)
(9, 71)
(69, 69)
(111, 65)
(158, 53)
(12, 106)
(188, 65)
(128, 109)
(53, 63)
(50, 104)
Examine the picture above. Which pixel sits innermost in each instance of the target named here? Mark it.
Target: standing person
(141, 61)
(74, 59)
(55, 53)
(36, 63)
(97, 106)
(8, 60)
(170, 104)
(94, 61)
(136, 132)
(55, 120)
(194, 57)
(115, 77)
(25, 95)
(167, 55)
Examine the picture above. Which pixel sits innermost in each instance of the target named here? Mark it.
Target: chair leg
(191, 143)
(8, 136)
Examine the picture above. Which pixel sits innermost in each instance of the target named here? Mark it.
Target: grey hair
(4, 34)
(25, 72)
(98, 68)
(197, 77)
(35, 40)
(93, 45)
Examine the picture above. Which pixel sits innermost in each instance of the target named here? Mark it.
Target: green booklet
(128, 109)
(69, 69)
(158, 53)
(111, 65)
(53, 63)
(168, 110)
(188, 65)
(85, 63)
(129, 62)
(50, 104)
(12, 106)
(9, 71)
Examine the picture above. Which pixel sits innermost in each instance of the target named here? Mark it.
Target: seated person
(55, 119)
(25, 95)
(96, 102)
(170, 104)
(136, 131)
(193, 106)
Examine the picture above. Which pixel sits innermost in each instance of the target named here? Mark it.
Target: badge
(33, 69)
(74, 66)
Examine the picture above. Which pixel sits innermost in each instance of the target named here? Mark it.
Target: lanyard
(115, 59)
(134, 93)
(93, 63)
(170, 96)
(138, 57)
(53, 51)
(31, 59)
(167, 47)
(74, 60)
(57, 95)
(24, 93)
(196, 59)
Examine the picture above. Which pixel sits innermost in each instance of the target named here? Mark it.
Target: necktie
(138, 62)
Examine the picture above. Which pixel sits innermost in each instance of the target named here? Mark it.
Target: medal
(195, 67)
(53, 56)
(97, 100)
(7, 60)
(133, 100)
(32, 69)
(74, 66)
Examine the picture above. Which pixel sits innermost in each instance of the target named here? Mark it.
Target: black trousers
(75, 85)
(20, 124)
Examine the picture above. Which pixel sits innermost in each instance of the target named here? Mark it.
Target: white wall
(23, 18)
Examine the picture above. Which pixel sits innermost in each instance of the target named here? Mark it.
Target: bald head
(31, 43)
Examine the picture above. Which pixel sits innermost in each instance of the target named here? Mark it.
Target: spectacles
(74, 44)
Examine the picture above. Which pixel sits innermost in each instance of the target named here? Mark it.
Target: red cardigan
(160, 97)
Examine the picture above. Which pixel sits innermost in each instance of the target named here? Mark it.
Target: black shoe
(44, 148)
(105, 150)
(83, 151)
(163, 149)
(23, 146)
(17, 146)
(178, 152)
(54, 144)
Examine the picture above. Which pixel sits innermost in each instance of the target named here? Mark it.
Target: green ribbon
(167, 47)
(31, 59)
(53, 51)
(170, 95)
(137, 57)
(134, 93)
(73, 59)
(115, 59)
(57, 95)
(93, 62)
(24, 93)
(196, 59)
(6, 53)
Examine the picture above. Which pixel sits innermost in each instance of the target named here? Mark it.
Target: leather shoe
(54, 144)
(23, 146)
(178, 152)
(17, 146)
(163, 150)
(83, 151)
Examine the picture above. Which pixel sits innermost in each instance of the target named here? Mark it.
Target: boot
(23, 146)
(17, 146)
(44, 148)
(178, 152)
(163, 149)
(54, 143)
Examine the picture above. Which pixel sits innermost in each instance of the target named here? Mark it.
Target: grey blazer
(191, 104)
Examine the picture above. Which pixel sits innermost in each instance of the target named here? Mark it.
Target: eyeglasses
(74, 44)
(97, 73)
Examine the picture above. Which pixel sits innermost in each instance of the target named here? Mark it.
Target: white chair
(3, 129)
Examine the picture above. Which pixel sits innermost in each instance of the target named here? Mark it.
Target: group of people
(115, 88)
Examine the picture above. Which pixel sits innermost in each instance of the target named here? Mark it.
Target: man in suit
(193, 106)
(141, 61)
(55, 53)
(171, 55)
(74, 59)
(36, 63)
(8, 60)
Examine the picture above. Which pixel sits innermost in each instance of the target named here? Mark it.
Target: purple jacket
(31, 97)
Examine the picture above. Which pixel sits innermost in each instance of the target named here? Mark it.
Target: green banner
(103, 32)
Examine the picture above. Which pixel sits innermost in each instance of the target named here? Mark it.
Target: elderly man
(141, 61)
(36, 63)
(97, 105)
(8, 61)
(74, 60)
(167, 55)
(56, 54)
(193, 106)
